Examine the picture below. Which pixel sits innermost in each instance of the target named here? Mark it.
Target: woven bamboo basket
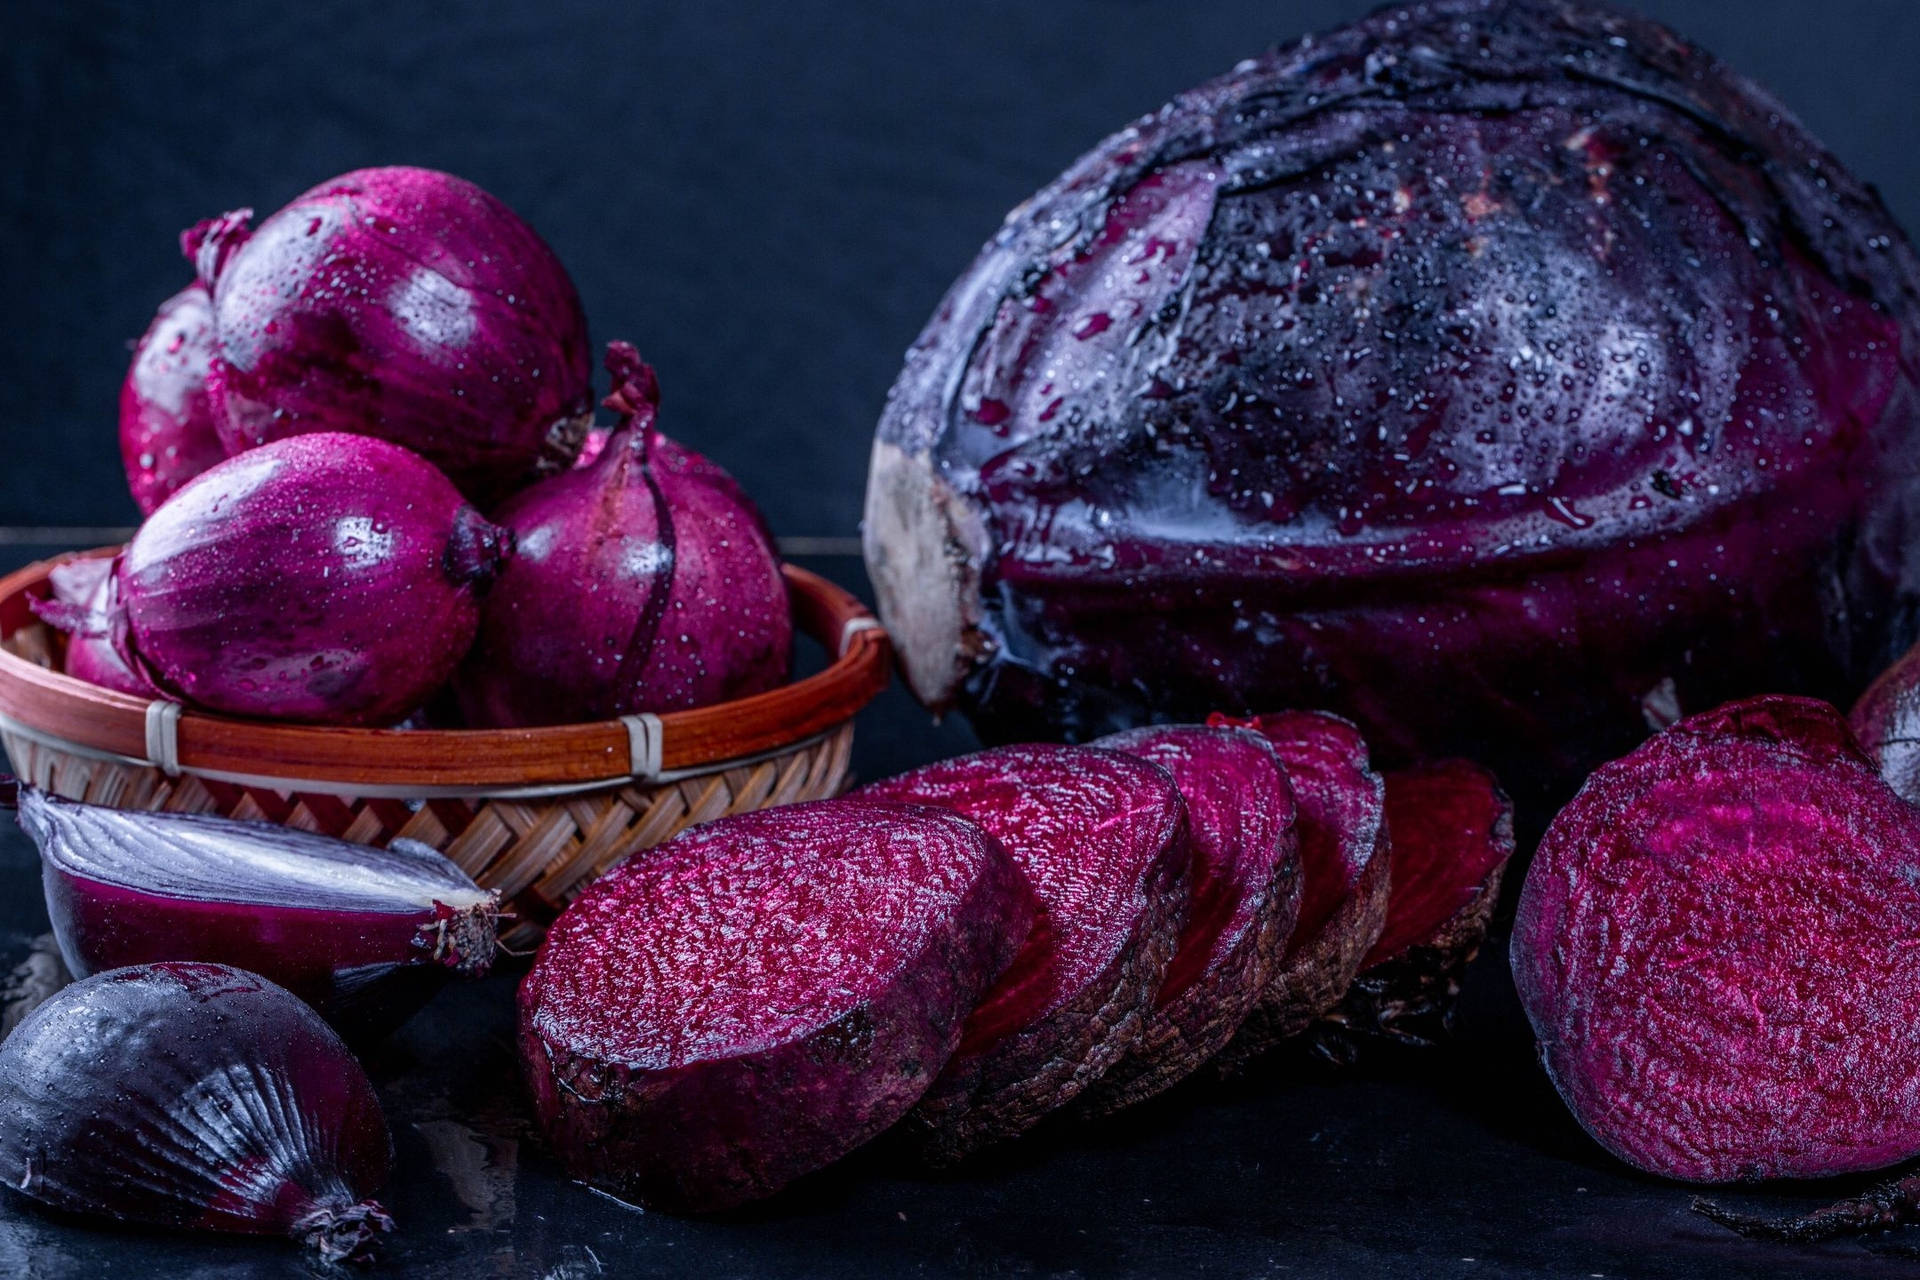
(533, 813)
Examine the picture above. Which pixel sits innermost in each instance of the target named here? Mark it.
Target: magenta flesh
(1245, 897)
(167, 436)
(198, 1097)
(1102, 838)
(750, 1001)
(85, 604)
(328, 578)
(1451, 828)
(402, 303)
(646, 581)
(364, 935)
(1344, 868)
(1887, 720)
(1405, 373)
(1714, 947)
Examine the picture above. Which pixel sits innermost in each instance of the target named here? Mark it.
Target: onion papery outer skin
(128, 887)
(1714, 946)
(86, 606)
(326, 578)
(646, 581)
(194, 1096)
(167, 435)
(403, 303)
(1472, 371)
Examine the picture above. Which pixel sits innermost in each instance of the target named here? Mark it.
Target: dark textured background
(769, 198)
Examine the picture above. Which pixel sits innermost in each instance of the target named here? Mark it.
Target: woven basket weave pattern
(536, 850)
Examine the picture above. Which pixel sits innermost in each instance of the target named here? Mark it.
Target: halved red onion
(364, 935)
(194, 1096)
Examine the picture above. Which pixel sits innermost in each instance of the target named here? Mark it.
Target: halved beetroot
(757, 997)
(1451, 828)
(1102, 838)
(1715, 947)
(1343, 865)
(1245, 898)
(1887, 718)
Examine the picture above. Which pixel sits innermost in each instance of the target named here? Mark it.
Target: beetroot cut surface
(1714, 947)
(1451, 828)
(1245, 898)
(1102, 838)
(1344, 874)
(759, 996)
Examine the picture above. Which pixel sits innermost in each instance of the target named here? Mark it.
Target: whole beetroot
(1393, 368)
(1714, 946)
(645, 581)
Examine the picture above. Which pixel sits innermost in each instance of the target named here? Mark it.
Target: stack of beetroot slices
(967, 948)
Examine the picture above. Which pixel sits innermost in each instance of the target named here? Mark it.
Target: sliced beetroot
(1451, 828)
(1887, 719)
(1102, 838)
(759, 996)
(1245, 896)
(1714, 946)
(1343, 867)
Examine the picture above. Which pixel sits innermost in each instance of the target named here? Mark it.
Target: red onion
(329, 578)
(166, 423)
(364, 935)
(85, 605)
(645, 582)
(402, 303)
(194, 1096)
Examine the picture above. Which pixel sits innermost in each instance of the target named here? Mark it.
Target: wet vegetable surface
(1390, 369)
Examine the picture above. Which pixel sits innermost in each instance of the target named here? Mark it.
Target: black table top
(1461, 1163)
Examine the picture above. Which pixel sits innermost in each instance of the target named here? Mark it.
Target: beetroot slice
(1245, 898)
(1714, 946)
(1102, 838)
(1451, 828)
(1887, 720)
(1344, 870)
(757, 997)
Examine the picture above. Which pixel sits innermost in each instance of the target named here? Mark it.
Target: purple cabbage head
(1505, 376)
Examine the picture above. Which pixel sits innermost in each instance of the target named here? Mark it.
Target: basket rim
(51, 705)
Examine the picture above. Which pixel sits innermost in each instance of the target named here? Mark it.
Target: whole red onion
(403, 303)
(166, 423)
(194, 1096)
(329, 578)
(645, 582)
(86, 605)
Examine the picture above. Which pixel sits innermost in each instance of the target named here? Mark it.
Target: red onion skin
(194, 1096)
(167, 435)
(89, 622)
(325, 578)
(402, 303)
(644, 582)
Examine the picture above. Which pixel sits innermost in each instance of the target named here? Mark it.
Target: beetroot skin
(1714, 946)
(1245, 899)
(759, 996)
(1887, 719)
(1102, 838)
(1344, 873)
(1451, 828)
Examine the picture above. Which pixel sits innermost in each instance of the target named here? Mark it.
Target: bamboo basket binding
(535, 814)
